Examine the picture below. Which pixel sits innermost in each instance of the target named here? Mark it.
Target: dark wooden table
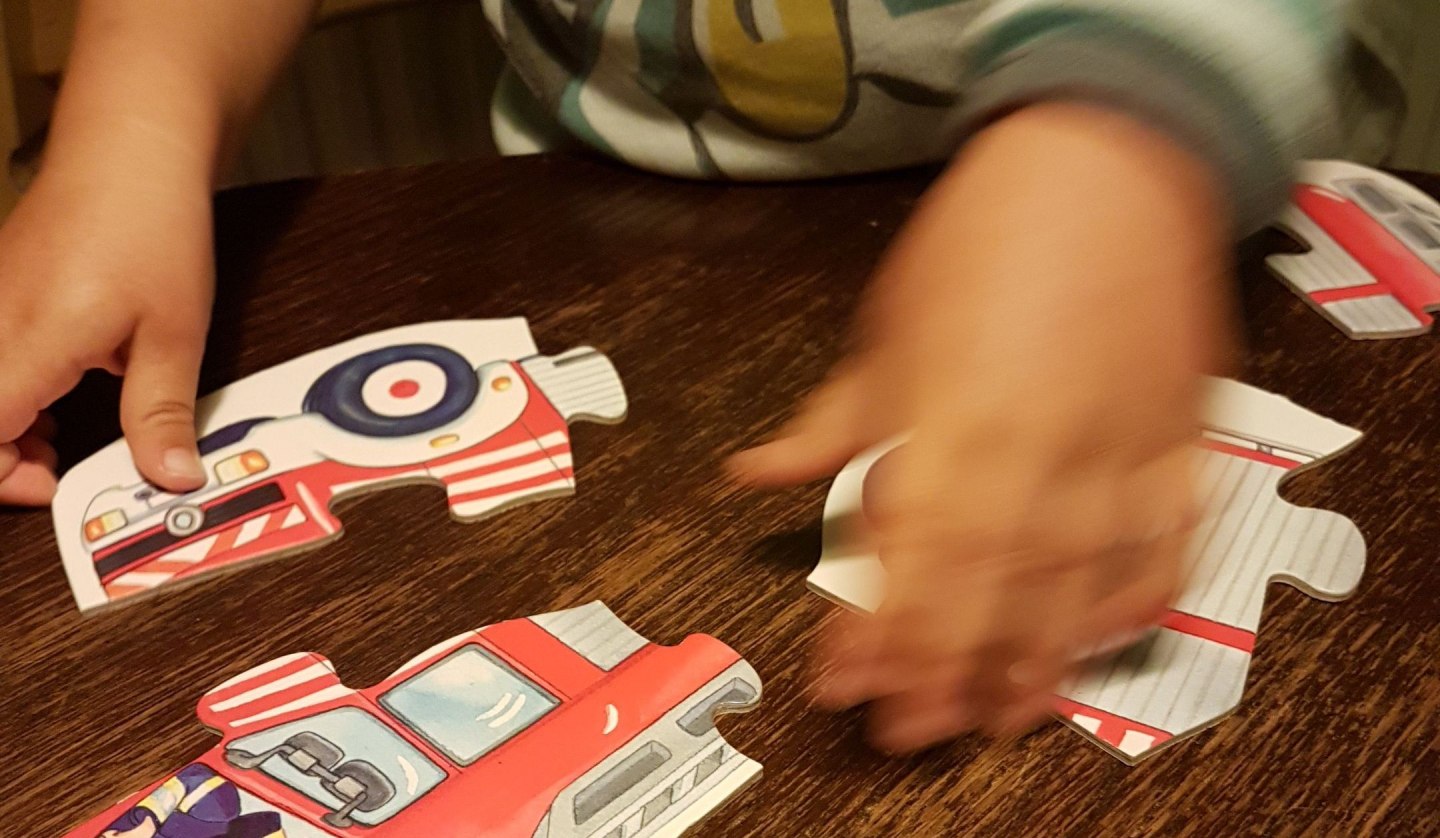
(720, 306)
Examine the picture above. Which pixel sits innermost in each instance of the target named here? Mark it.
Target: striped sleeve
(1245, 83)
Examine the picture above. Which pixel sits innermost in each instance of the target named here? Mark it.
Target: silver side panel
(594, 632)
(1378, 315)
(581, 383)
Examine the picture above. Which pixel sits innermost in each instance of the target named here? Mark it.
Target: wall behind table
(400, 87)
(1419, 144)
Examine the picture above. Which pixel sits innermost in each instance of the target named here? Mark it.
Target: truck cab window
(308, 754)
(468, 704)
(1372, 196)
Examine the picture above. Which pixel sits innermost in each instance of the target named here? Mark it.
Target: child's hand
(1040, 331)
(111, 271)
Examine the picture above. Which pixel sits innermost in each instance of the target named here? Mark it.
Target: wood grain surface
(720, 305)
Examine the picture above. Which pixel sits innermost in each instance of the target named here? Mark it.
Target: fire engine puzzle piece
(558, 726)
(1189, 672)
(467, 404)
(1373, 264)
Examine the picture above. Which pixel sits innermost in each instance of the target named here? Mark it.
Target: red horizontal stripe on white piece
(1248, 453)
(1123, 734)
(263, 703)
(1353, 292)
(541, 465)
(538, 455)
(1207, 629)
(466, 461)
(518, 487)
(331, 693)
(260, 675)
(315, 671)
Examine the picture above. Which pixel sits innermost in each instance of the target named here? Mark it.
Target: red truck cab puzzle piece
(565, 724)
(1373, 261)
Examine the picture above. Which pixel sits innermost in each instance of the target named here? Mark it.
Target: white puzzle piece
(1373, 263)
(563, 725)
(467, 404)
(1189, 672)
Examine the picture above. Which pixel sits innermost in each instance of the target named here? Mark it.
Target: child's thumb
(157, 406)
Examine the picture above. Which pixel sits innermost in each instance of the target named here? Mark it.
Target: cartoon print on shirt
(699, 75)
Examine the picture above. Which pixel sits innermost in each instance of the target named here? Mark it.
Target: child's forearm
(168, 86)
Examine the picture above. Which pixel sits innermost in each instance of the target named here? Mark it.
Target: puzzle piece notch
(1373, 261)
(373, 407)
(567, 723)
(1144, 699)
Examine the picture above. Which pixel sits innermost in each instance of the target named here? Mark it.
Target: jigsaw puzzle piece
(467, 404)
(1373, 261)
(563, 724)
(1189, 671)
(531, 459)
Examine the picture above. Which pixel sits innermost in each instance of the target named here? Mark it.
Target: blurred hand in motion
(1039, 333)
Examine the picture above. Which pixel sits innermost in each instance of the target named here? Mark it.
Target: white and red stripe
(190, 555)
(1127, 736)
(284, 685)
(491, 480)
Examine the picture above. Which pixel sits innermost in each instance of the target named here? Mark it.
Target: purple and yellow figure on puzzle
(195, 803)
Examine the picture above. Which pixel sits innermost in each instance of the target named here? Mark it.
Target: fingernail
(182, 463)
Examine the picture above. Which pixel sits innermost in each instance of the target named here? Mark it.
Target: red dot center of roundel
(404, 389)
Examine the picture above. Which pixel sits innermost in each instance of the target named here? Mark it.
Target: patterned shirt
(785, 89)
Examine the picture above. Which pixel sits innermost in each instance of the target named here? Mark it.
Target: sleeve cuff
(1161, 84)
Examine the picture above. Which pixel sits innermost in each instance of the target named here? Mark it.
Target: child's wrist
(141, 153)
(1128, 146)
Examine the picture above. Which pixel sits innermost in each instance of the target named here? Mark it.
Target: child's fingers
(24, 389)
(37, 449)
(24, 481)
(828, 431)
(157, 406)
(844, 672)
(45, 427)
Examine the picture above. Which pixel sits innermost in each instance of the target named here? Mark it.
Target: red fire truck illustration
(565, 724)
(493, 432)
(1373, 264)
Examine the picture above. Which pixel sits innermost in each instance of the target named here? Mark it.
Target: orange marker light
(102, 525)
(501, 384)
(240, 466)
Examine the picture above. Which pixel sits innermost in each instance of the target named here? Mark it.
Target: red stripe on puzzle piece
(1354, 292)
(225, 693)
(1112, 727)
(503, 465)
(515, 434)
(543, 656)
(1377, 250)
(277, 520)
(263, 704)
(1207, 629)
(517, 486)
(1249, 453)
